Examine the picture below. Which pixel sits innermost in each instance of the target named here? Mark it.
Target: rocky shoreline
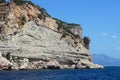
(52, 64)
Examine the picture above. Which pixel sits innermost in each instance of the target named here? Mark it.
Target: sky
(100, 21)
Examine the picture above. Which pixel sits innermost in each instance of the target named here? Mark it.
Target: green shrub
(17, 58)
(67, 29)
(60, 26)
(8, 56)
(2, 1)
(75, 42)
(39, 16)
(23, 20)
(86, 41)
(73, 24)
(20, 2)
(44, 12)
(76, 36)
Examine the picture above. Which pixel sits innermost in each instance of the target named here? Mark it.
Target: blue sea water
(108, 73)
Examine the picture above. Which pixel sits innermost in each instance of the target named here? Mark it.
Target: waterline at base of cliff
(108, 73)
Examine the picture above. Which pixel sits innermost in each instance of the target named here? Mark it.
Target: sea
(108, 73)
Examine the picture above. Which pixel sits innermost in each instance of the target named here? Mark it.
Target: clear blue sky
(100, 20)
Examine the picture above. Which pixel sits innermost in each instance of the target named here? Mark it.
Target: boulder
(79, 66)
(24, 64)
(4, 63)
(53, 64)
(95, 66)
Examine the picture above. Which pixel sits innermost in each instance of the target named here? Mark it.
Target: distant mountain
(105, 60)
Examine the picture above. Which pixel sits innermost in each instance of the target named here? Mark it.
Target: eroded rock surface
(35, 40)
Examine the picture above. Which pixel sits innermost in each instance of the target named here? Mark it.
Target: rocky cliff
(31, 39)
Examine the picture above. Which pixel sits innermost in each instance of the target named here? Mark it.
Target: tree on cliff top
(2, 1)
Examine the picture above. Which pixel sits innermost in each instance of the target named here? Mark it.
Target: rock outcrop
(34, 40)
(4, 63)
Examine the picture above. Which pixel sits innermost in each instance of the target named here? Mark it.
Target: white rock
(4, 63)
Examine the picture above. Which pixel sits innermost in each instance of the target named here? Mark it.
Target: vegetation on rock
(20, 2)
(23, 20)
(67, 29)
(2, 1)
(86, 41)
(73, 24)
(43, 11)
(8, 56)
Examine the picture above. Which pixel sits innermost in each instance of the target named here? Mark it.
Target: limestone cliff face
(30, 39)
